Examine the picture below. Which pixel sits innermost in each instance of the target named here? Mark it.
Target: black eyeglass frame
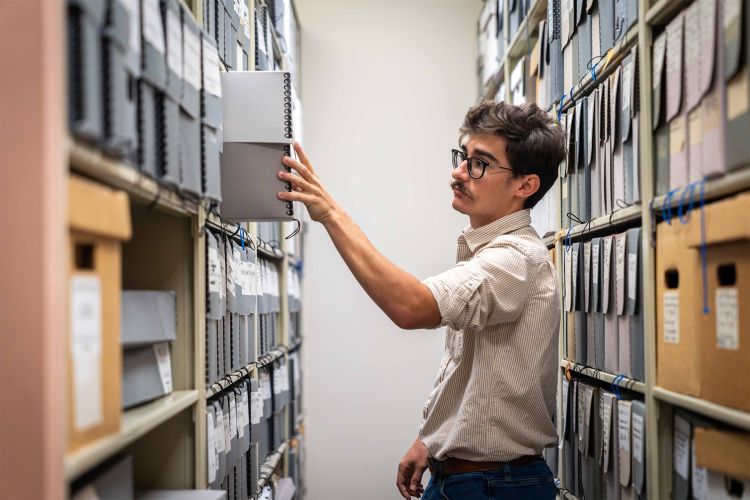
(459, 157)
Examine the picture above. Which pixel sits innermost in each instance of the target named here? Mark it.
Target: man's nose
(461, 172)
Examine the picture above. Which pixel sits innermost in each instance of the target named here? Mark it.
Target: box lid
(725, 221)
(148, 317)
(723, 451)
(98, 210)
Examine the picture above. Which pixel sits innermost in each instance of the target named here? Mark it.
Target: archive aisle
(643, 226)
(177, 354)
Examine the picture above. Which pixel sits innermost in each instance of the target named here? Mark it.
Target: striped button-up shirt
(495, 392)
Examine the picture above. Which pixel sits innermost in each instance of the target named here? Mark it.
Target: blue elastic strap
(593, 73)
(242, 237)
(572, 99)
(704, 250)
(666, 209)
(568, 240)
(689, 189)
(615, 386)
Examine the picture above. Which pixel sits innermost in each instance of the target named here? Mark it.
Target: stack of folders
(295, 381)
(603, 443)
(232, 433)
(114, 479)
(603, 303)
(145, 89)
(700, 90)
(221, 20)
(490, 39)
(601, 173)
(149, 326)
(294, 299)
(269, 307)
(231, 296)
(702, 297)
(258, 130)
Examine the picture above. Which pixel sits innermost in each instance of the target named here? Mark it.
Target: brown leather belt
(458, 466)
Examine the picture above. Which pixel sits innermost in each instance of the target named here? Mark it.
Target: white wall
(385, 86)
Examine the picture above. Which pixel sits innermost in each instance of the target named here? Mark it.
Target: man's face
(486, 199)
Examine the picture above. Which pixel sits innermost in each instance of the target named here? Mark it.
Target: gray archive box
(146, 374)
(219, 36)
(85, 110)
(150, 87)
(231, 27)
(154, 69)
(211, 120)
(148, 317)
(115, 482)
(217, 409)
(215, 298)
(212, 354)
(190, 107)
(171, 99)
(181, 495)
(121, 68)
(149, 140)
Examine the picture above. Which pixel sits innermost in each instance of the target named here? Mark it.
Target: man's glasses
(476, 166)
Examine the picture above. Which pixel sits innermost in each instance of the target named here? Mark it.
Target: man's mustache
(461, 187)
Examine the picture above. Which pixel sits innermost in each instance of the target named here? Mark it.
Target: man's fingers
(299, 167)
(295, 196)
(416, 481)
(303, 156)
(402, 481)
(296, 180)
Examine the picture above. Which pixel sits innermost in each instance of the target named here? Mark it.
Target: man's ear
(529, 185)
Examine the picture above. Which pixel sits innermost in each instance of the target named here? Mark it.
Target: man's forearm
(403, 298)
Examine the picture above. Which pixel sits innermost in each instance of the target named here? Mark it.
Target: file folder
(712, 83)
(676, 112)
(211, 118)
(190, 107)
(606, 25)
(737, 77)
(85, 21)
(634, 304)
(658, 117)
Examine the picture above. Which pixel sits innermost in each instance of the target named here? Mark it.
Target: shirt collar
(482, 235)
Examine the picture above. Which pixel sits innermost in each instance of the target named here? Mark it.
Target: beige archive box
(99, 221)
(677, 288)
(724, 342)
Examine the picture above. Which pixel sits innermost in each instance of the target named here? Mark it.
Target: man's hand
(306, 187)
(410, 470)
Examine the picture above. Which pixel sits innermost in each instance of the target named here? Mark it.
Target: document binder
(190, 107)
(211, 118)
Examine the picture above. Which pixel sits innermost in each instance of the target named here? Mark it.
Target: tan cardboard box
(725, 330)
(677, 282)
(722, 451)
(99, 221)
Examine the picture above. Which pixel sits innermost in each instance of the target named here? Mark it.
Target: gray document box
(142, 379)
(114, 481)
(148, 317)
(190, 107)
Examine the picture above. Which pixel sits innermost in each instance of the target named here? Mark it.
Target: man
(490, 414)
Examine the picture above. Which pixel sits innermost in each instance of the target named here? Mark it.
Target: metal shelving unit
(135, 424)
(660, 403)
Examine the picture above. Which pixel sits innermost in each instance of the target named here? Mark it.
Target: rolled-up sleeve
(489, 289)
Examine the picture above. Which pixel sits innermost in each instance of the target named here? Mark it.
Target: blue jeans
(530, 481)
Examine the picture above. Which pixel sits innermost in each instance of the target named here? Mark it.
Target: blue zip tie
(704, 250)
(593, 73)
(568, 239)
(571, 94)
(666, 209)
(560, 109)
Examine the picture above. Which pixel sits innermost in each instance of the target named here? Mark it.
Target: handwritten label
(233, 418)
(681, 446)
(165, 366)
(623, 424)
(606, 292)
(605, 400)
(595, 262)
(213, 459)
(699, 478)
(256, 407)
(214, 271)
(620, 241)
(220, 439)
(153, 31)
(632, 275)
(174, 42)
(727, 320)
(191, 58)
(638, 437)
(86, 350)
(672, 317)
(211, 77)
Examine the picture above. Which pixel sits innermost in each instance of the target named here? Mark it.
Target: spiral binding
(288, 132)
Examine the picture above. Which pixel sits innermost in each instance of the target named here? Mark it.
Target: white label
(568, 279)
(134, 15)
(672, 317)
(256, 408)
(231, 270)
(213, 465)
(252, 269)
(245, 277)
(245, 419)
(620, 272)
(607, 274)
(220, 439)
(605, 400)
(580, 410)
(265, 386)
(153, 31)
(191, 58)
(284, 376)
(233, 418)
(727, 329)
(632, 276)
(277, 387)
(298, 371)
(595, 263)
(576, 291)
(86, 350)
(240, 62)
(174, 44)
(681, 446)
(266, 494)
(165, 366)
(638, 437)
(623, 425)
(699, 478)
(222, 274)
(627, 82)
(565, 388)
(227, 437)
(214, 271)
(211, 77)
